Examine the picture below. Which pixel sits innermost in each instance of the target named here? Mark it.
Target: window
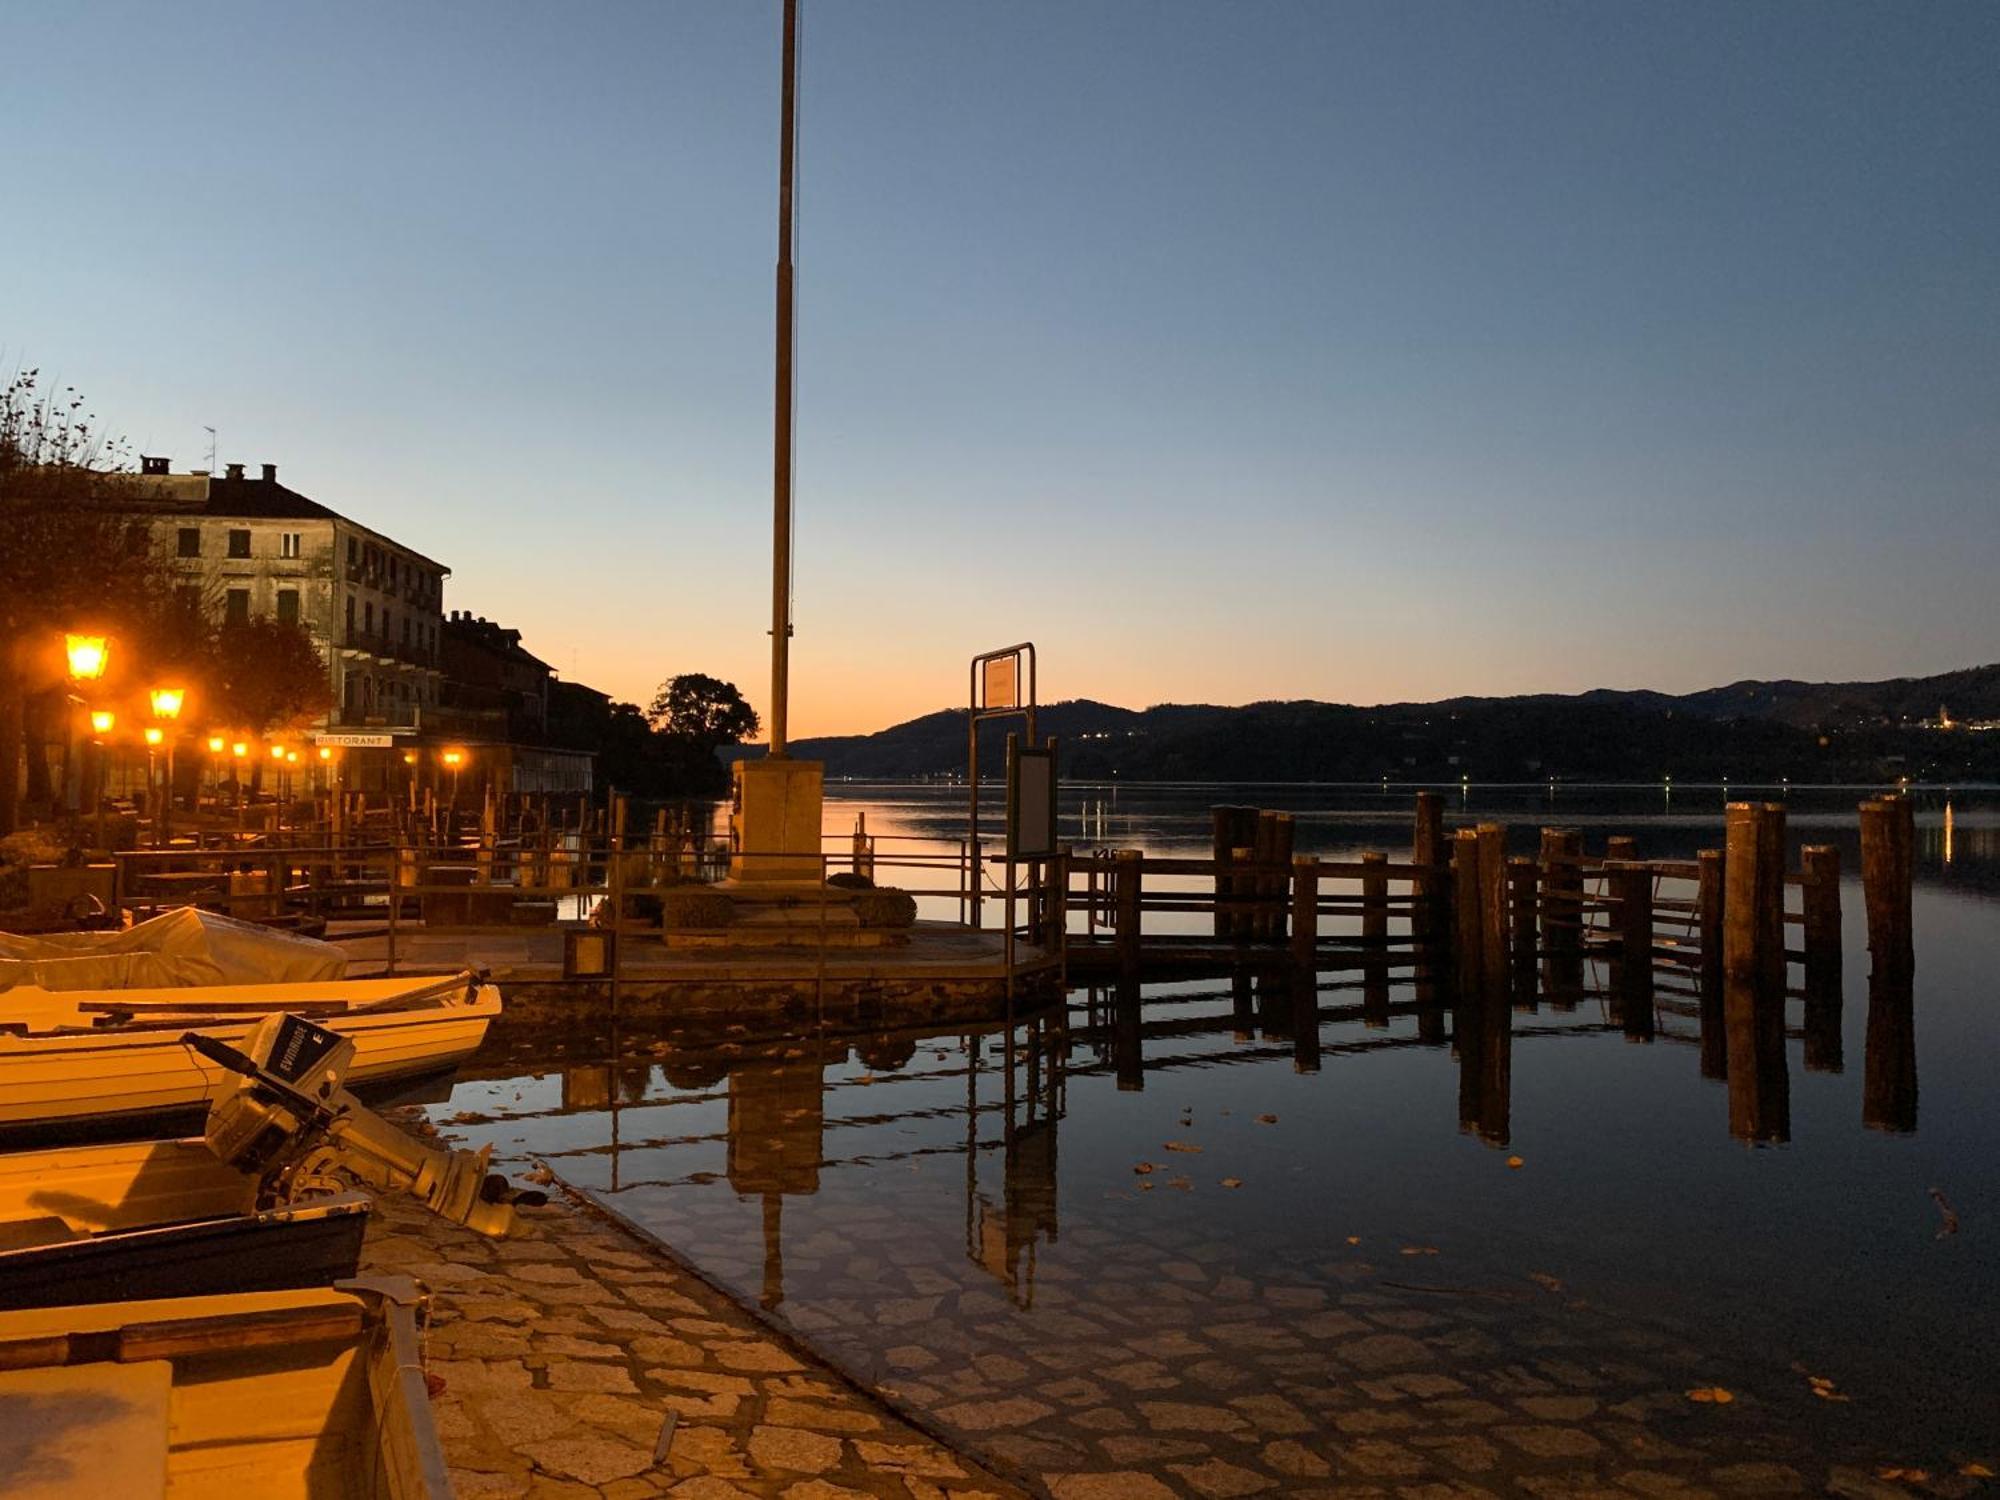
(406, 630)
(288, 606)
(350, 618)
(368, 617)
(239, 542)
(138, 540)
(353, 556)
(188, 544)
(288, 544)
(236, 607)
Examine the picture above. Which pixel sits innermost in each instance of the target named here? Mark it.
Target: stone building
(256, 548)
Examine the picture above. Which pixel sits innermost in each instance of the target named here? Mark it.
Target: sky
(1228, 351)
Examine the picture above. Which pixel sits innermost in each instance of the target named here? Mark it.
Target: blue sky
(1230, 351)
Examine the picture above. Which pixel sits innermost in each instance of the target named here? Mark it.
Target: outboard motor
(290, 1121)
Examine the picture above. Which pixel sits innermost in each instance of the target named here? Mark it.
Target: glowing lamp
(239, 749)
(167, 702)
(154, 734)
(215, 744)
(325, 752)
(101, 720)
(291, 757)
(409, 757)
(454, 758)
(88, 655)
(277, 752)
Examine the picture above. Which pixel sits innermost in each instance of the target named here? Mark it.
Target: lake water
(1230, 1262)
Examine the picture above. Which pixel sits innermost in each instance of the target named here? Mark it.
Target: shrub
(884, 906)
(847, 880)
(695, 906)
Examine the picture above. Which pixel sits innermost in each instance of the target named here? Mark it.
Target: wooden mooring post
(1305, 921)
(1126, 910)
(1235, 829)
(1430, 853)
(1820, 889)
(1468, 945)
(1630, 887)
(1708, 919)
(1562, 914)
(1374, 939)
(1753, 959)
(1888, 868)
(1493, 908)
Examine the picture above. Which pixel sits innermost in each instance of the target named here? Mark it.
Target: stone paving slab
(561, 1352)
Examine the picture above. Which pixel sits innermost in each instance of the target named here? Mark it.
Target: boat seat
(27, 1234)
(94, 1429)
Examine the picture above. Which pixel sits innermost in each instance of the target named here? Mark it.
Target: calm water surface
(960, 1218)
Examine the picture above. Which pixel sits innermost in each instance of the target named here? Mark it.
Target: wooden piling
(1374, 940)
(1631, 889)
(1234, 828)
(1430, 853)
(1493, 907)
(1820, 866)
(1753, 961)
(1305, 919)
(1127, 910)
(1275, 834)
(1468, 942)
(1888, 867)
(1562, 914)
(1708, 916)
(1621, 846)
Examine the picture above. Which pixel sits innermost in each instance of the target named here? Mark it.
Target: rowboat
(115, 1059)
(158, 1219)
(279, 1395)
(263, 1200)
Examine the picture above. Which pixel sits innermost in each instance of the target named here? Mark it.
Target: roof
(252, 500)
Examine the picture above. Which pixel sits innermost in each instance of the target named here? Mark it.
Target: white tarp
(183, 947)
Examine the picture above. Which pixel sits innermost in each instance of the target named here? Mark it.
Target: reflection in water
(1889, 1069)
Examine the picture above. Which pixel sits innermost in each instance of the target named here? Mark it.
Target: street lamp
(239, 752)
(102, 721)
(455, 759)
(88, 656)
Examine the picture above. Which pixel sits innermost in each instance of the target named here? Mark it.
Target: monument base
(774, 821)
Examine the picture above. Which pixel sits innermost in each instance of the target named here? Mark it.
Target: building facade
(254, 548)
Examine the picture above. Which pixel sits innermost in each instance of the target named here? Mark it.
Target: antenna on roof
(211, 448)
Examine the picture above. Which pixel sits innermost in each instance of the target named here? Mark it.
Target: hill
(1859, 731)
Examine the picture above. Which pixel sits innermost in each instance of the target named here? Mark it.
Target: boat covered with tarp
(183, 947)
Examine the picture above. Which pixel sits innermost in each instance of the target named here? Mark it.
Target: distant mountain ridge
(1745, 730)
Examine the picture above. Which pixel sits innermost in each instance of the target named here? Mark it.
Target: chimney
(152, 465)
(234, 471)
(270, 473)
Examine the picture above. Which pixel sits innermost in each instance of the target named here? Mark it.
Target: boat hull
(315, 1244)
(129, 1075)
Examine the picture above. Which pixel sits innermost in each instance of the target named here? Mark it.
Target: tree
(65, 563)
(267, 674)
(693, 716)
(703, 712)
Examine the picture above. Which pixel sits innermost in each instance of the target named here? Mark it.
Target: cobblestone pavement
(1170, 1372)
(564, 1350)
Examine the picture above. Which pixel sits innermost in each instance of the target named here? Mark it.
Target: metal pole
(781, 462)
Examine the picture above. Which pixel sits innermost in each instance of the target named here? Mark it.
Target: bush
(31, 846)
(885, 906)
(695, 906)
(847, 880)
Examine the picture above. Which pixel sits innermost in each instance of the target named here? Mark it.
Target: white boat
(115, 1057)
(272, 1395)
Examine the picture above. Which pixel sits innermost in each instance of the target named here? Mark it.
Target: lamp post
(85, 657)
(239, 752)
(456, 760)
(166, 703)
(154, 734)
(102, 722)
(216, 745)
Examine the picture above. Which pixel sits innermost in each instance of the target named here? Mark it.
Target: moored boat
(269, 1394)
(116, 1059)
(159, 1219)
